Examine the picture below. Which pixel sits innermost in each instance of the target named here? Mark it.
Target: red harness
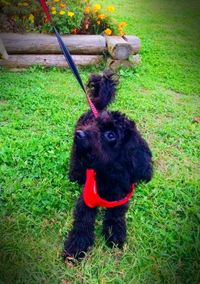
(91, 197)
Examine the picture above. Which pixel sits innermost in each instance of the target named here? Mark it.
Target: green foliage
(67, 16)
(70, 17)
(38, 111)
(25, 14)
(98, 19)
(20, 8)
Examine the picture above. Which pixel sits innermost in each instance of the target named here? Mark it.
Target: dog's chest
(111, 188)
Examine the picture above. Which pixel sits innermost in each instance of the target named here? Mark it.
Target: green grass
(38, 110)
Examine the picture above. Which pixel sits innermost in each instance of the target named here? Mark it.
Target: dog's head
(112, 141)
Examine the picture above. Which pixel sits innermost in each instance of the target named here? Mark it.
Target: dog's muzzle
(82, 140)
(80, 135)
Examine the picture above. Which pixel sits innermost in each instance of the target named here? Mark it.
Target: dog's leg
(76, 169)
(114, 225)
(81, 236)
(77, 172)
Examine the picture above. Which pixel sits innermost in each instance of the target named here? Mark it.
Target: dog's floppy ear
(139, 158)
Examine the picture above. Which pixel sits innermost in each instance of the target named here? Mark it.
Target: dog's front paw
(115, 240)
(76, 245)
(115, 234)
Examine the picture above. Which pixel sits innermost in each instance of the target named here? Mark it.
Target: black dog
(114, 148)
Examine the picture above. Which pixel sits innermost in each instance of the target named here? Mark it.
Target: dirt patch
(8, 25)
(145, 91)
(175, 94)
(3, 102)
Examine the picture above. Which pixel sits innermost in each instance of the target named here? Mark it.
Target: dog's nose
(80, 134)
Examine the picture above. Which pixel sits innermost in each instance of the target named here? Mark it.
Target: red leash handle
(46, 10)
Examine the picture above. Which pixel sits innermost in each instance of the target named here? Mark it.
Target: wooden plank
(134, 41)
(23, 61)
(134, 61)
(3, 52)
(35, 43)
(118, 48)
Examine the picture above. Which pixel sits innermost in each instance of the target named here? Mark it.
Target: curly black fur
(101, 89)
(114, 148)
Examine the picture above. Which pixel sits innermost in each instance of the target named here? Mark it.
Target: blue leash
(68, 57)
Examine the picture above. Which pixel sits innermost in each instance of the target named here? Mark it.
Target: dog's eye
(110, 136)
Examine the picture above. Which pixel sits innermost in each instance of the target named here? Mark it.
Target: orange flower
(122, 25)
(45, 20)
(98, 22)
(74, 31)
(62, 6)
(101, 16)
(87, 10)
(108, 31)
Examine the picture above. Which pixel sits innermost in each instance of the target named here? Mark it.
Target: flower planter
(27, 49)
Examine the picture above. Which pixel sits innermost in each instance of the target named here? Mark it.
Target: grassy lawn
(38, 110)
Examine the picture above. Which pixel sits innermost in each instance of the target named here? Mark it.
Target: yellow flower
(62, 12)
(54, 12)
(111, 9)
(62, 6)
(53, 8)
(108, 31)
(70, 14)
(122, 25)
(31, 18)
(98, 22)
(56, 1)
(101, 16)
(87, 10)
(97, 7)
(25, 4)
